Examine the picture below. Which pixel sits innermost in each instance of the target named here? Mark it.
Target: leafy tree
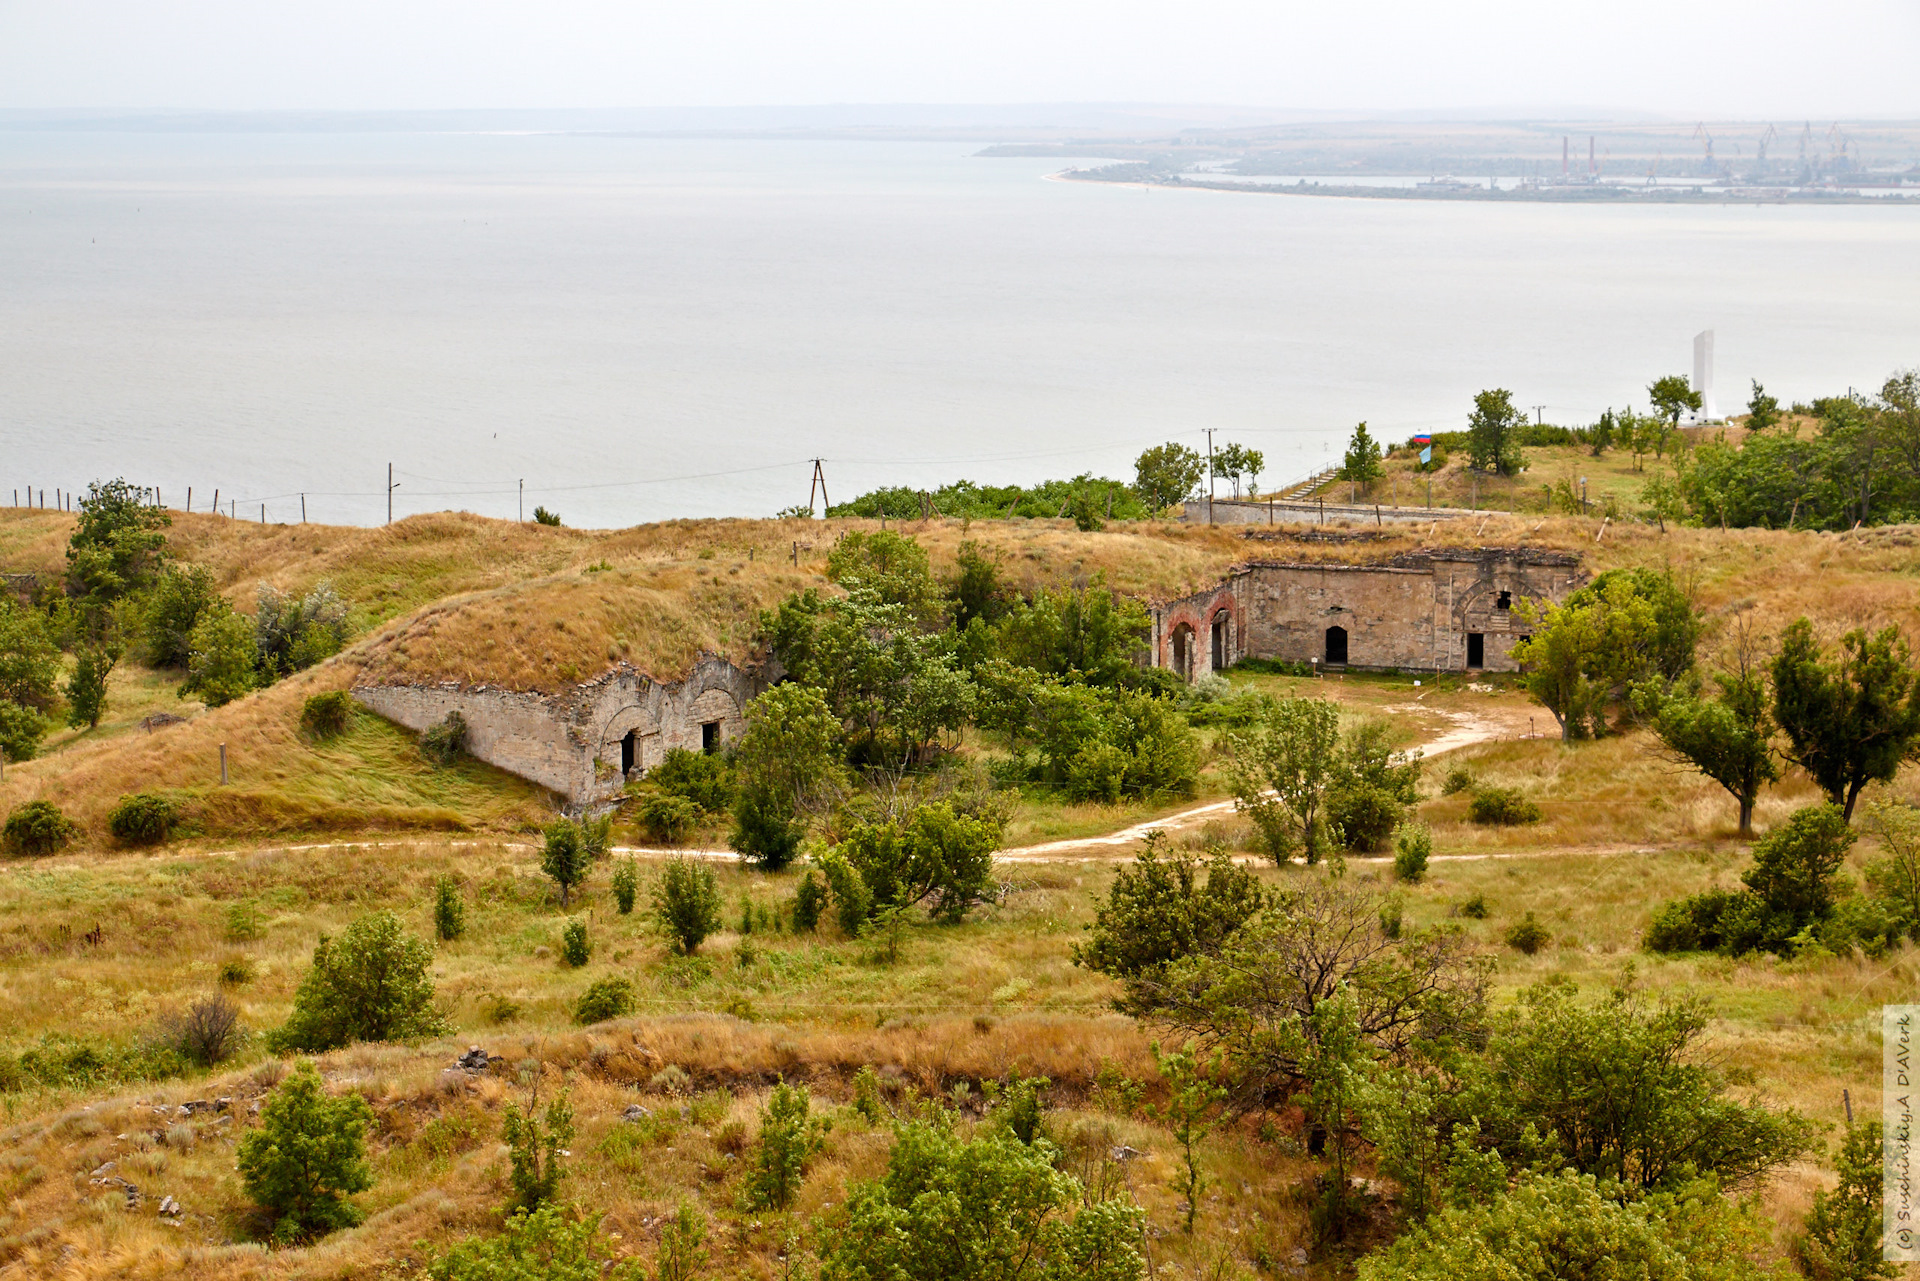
(892, 567)
(292, 633)
(949, 1209)
(1190, 1113)
(181, 596)
(327, 716)
(1255, 998)
(1895, 876)
(1101, 744)
(1371, 788)
(1361, 465)
(1561, 1226)
(1662, 499)
(1600, 436)
(37, 829)
(370, 984)
(541, 516)
(1763, 411)
(535, 1145)
(975, 590)
(626, 885)
(785, 758)
(686, 902)
(1794, 865)
(29, 660)
(306, 1157)
(933, 855)
(565, 857)
(789, 1137)
(575, 948)
(1850, 722)
(1166, 474)
(222, 658)
(1290, 753)
(1589, 650)
(1334, 1053)
(1672, 397)
(21, 729)
(1235, 461)
(1493, 433)
(546, 1245)
(1412, 847)
(1842, 1239)
(1159, 911)
(703, 778)
(87, 685)
(1087, 634)
(1624, 1090)
(1728, 738)
(117, 547)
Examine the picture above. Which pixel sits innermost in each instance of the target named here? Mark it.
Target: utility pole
(819, 482)
(303, 509)
(523, 500)
(1209, 432)
(1539, 412)
(391, 486)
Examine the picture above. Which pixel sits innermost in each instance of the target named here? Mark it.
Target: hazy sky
(1713, 58)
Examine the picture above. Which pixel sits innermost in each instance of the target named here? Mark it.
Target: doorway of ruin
(1220, 661)
(629, 751)
(1183, 651)
(710, 737)
(1336, 646)
(1476, 649)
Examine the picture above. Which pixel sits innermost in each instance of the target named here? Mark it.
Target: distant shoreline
(1583, 195)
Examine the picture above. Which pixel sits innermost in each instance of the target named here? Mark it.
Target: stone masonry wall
(572, 743)
(1416, 612)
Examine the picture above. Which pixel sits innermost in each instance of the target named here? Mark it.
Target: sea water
(630, 328)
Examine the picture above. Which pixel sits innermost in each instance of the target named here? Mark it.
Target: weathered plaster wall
(1416, 611)
(572, 742)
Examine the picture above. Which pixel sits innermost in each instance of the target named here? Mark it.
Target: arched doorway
(1183, 651)
(1222, 659)
(1336, 647)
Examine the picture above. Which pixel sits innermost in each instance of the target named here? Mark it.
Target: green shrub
(236, 971)
(574, 947)
(446, 742)
(949, 1209)
(767, 829)
(306, 1156)
(1842, 1237)
(21, 729)
(547, 1245)
(626, 884)
(1698, 923)
(207, 1033)
(143, 818)
(1022, 1108)
(534, 1146)
(181, 597)
(370, 984)
(1097, 772)
(606, 999)
(866, 1095)
(449, 910)
(87, 686)
(1502, 807)
(541, 516)
(1563, 1226)
(666, 819)
(565, 857)
(809, 899)
(704, 778)
(1476, 908)
(680, 1257)
(327, 715)
(1458, 779)
(686, 903)
(223, 658)
(243, 922)
(1412, 847)
(37, 829)
(1528, 936)
(788, 1139)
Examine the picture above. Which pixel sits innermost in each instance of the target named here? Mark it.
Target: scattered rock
(254, 1107)
(1125, 1153)
(102, 1172)
(225, 1120)
(170, 1206)
(635, 1112)
(160, 720)
(222, 1103)
(194, 1105)
(1298, 1258)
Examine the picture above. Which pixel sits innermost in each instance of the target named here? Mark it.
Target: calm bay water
(644, 328)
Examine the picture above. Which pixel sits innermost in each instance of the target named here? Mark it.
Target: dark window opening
(1476, 649)
(630, 751)
(1505, 601)
(1183, 651)
(1220, 642)
(1336, 645)
(710, 736)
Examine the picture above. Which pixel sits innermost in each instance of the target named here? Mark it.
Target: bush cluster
(37, 829)
(143, 818)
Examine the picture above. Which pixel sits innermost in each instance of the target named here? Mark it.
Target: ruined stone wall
(572, 742)
(1418, 611)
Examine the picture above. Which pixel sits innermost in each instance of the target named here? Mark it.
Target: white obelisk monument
(1703, 375)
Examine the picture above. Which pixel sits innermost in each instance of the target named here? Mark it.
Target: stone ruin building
(588, 742)
(1437, 610)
